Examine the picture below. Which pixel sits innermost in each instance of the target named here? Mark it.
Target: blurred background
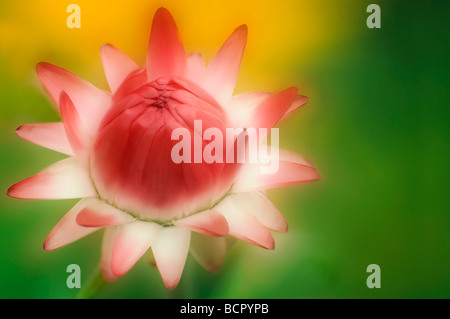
(377, 127)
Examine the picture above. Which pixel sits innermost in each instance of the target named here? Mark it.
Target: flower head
(121, 156)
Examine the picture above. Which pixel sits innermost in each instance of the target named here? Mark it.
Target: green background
(377, 127)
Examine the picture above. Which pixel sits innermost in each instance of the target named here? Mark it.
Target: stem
(93, 285)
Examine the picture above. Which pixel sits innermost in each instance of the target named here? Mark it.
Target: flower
(120, 162)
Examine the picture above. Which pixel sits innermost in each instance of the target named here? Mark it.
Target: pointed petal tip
(171, 286)
(162, 10)
(14, 191)
(304, 98)
(43, 67)
(268, 244)
(315, 176)
(17, 131)
(109, 277)
(10, 191)
(106, 46)
(243, 28)
(46, 246)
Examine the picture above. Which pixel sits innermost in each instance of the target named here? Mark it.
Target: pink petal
(170, 250)
(299, 101)
(130, 243)
(107, 249)
(222, 71)
(134, 81)
(49, 135)
(67, 230)
(265, 212)
(292, 169)
(195, 68)
(289, 173)
(165, 56)
(289, 156)
(208, 251)
(243, 224)
(270, 111)
(243, 107)
(101, 214)
(64, 179)
(91, 102)
(207, 222)
(116, 64)
(76, 131)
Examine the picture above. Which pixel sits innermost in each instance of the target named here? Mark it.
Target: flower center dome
(131, 160)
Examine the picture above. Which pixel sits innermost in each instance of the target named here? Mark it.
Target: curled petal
(76, 131)
(165, 56)
(243, 107)
(222, 71)
(243, 224)
(62, 180)
(265, 212)
(107, 248)
(208, 251)
(67, 230)
(91, 102)
(292, 169)
(207, 222)
(117, 65)
(270, 111)
(299, 101)
(101, 214)
(131, 242)
(170, 250)
(49, 135)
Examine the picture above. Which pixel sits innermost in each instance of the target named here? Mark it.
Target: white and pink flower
(119, 146)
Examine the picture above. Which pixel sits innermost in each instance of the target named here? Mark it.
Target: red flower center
(131, 162)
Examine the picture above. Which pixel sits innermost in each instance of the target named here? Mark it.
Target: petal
(292, 169)
(49, 135)
(91, 102)
(117, 65)
(289, 156)
(100, 214)
(243, 224)
(67, 230)
(77, 134)
(265, 212)
(270, 111)
(170, 250)
(222, 71)
(62, 180)
(242, 107)
(208, 222)
(107, 248)
(208, 251)
(133, 81)
(130, 243)
(299, 101)
(195, 68)
(165, 56)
